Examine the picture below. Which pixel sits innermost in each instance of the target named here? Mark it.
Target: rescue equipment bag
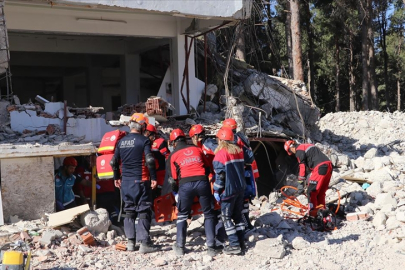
(109, 141)
(104, 169)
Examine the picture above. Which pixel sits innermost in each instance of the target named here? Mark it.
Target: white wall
(234, 9)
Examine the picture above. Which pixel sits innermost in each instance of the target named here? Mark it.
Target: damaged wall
(27, 186)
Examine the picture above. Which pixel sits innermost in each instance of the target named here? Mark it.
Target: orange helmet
(287, 146)
(176, 133)
(230, 123)
(139, 118)
(195, 130)
(70, 161)
(151, 128)
(225, 134)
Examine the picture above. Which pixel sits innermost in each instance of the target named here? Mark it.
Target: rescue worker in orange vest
(188, 175)
(208, 146)
(229, 186)
(319, 170)
(161, 152)
(138, 177)
(251, 170)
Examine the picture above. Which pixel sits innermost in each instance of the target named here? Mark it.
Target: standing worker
(208, 146)
(229, 189)
(250, 168)
(188, 170)
(320, 171)
(138, 177)
(64, 182)
(161, 153)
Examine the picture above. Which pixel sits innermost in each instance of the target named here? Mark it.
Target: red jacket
(188, 163)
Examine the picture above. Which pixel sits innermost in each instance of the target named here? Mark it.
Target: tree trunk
(288, 39)
(399, 91)
(311, 78)
(296, 40)
(352, 81)
(383, 42)
(337, 50)
(363, 11)
(371, 59)
(240, 43)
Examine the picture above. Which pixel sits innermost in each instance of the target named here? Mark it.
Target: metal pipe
(184, 71)
(205, 70)
(188, 81)
(65, 117)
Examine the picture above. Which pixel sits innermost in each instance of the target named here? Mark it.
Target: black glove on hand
(173, 184)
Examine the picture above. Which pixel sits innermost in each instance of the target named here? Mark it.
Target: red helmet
(70, 161)
(287, 146)
(230, 123)
(139, 118)
(195, 130)
(176, 133)
(225, 134)
(151, 128)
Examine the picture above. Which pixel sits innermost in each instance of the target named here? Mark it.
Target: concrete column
(95, 77)
(178, 51)
(130, 78)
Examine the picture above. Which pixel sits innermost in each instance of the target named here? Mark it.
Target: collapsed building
(75, 79)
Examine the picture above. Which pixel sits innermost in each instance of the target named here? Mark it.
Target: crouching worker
(320, 169)
(229, 189)
(188, 167)
(64, 182)
(137, 179)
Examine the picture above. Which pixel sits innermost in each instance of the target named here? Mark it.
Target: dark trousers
(231, 210)
(220, 233)
(187, 192)
(245, 214)
(138, 205)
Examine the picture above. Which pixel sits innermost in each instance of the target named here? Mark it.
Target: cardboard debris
(66, 216)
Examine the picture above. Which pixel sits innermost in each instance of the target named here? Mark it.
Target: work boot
(213, 251)
(232, 250)
(131, 245)
(179, 251)
(148, 248)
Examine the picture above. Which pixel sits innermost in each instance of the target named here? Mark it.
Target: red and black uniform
(312, 161)
(161, 152)
(189, 167)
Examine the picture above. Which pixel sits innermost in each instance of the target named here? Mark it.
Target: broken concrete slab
(29, 120)
(66, 216)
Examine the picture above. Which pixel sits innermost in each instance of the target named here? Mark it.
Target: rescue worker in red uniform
(161, 152)
(208, 146)
(188, 174)
(317, 165)
(251, 170)
(138, 177)
(229, 189)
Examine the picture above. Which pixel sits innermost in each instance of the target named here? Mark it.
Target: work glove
(173, 184)
(217, 197)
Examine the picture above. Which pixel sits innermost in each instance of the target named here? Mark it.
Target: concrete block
(363, 216)
(28, 187)
(53, 107)
(29, 120)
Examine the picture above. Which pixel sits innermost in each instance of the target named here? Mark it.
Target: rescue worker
(250, 168)
(188, 174)
(138, 177)
(161, 152)
(229, 189)
(317, 165)
(208, 146)
(64, 182)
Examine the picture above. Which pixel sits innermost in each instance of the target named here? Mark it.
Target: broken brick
(25, 236)
(352, 217)
(363, 216)
(88, 239)
(82, 230)
(121, 247)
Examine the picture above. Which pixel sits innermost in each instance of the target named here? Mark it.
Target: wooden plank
(66, 216)
(357, 180)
